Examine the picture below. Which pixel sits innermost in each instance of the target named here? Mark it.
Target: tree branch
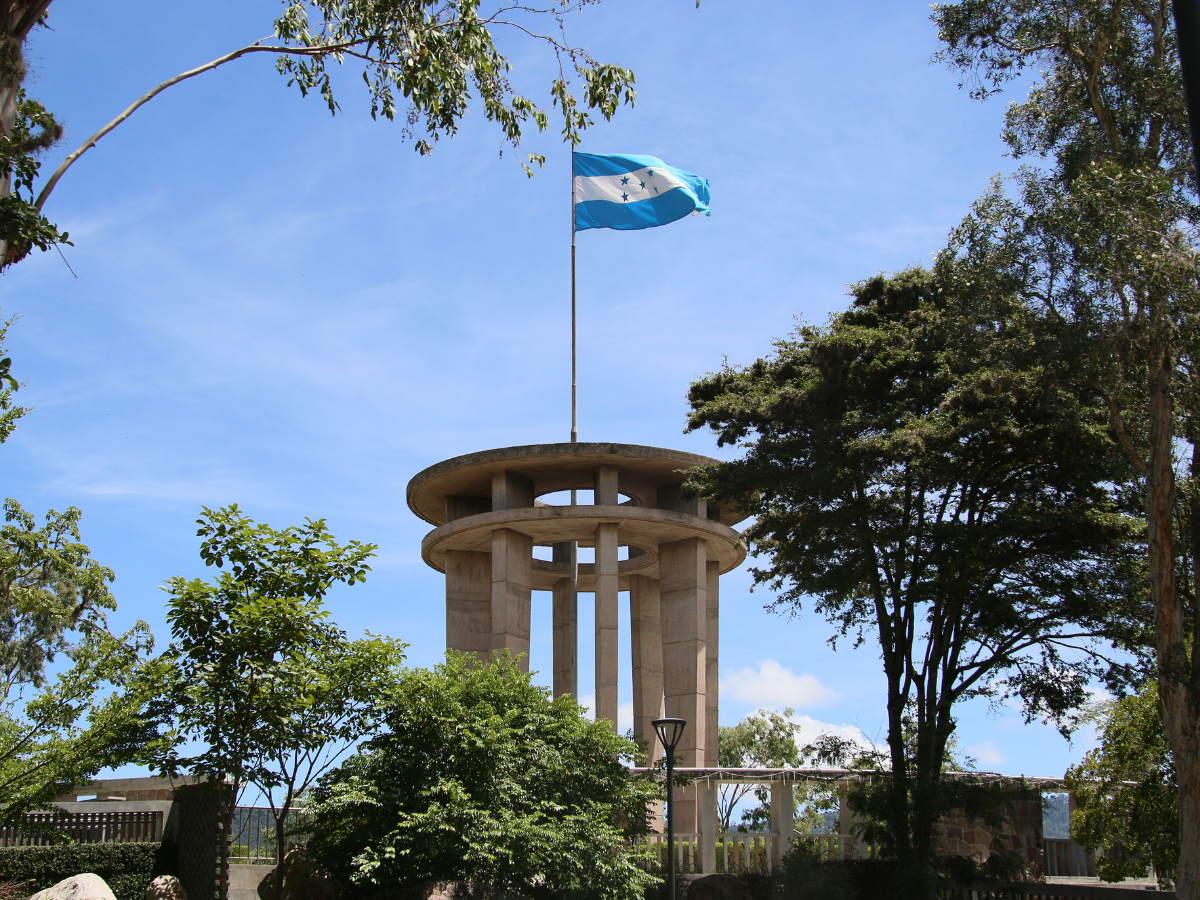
(256, 47)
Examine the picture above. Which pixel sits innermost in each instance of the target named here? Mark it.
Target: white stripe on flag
(628, 187)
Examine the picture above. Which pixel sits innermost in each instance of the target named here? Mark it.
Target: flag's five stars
(643, 184)
(625, 197)
(625, 180)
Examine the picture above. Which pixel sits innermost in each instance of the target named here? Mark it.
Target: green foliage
(22, 225)
(324, 701)
(925, 468)
(1126, 794)
(481, 776)
(127, 868)
(422, 59)
(434, 54)
(766, 739)
(60, 730)
(9, 414)
(240, 672)
(1101, 237)
(1056, 816)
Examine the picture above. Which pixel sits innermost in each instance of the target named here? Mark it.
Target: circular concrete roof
(642, 528)
(641, 471)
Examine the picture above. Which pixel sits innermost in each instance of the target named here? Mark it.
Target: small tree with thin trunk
(242, 644)
(330, 697)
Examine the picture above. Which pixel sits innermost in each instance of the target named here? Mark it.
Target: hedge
(128, 868)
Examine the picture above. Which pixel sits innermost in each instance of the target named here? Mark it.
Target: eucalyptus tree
(1100, 234)
(765, 739)
(923, 468)
(421, 60)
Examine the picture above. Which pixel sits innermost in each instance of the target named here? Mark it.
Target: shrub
(127, 868)
(482, 777)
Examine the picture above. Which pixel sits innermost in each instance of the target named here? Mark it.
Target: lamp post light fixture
(669, 732)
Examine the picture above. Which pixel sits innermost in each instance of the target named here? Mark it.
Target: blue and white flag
(626, 192)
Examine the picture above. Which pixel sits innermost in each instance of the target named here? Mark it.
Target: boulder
(302, 880)
(718, 887)
(77, 887)
(165, 887)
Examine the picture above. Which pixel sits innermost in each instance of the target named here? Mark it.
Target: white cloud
(773, 686)
(987, 753)
(810, 729)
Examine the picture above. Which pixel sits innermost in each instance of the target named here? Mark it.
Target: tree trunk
(227, 804)
(1174, 669)
(280, 851)
(8, 118)
(1187, 770)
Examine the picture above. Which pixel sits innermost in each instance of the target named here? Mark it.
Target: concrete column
(853, 847)
(712, 635)
(512, 570)
(645, 619)
(566, 628)
(457, 507)
(605, 493)
(783, 811)
(683, 581)
(469, 603)
(606, 623)
(707, 791)
(512, 586)
(511, 491)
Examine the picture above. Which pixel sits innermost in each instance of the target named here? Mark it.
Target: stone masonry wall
(957, 835)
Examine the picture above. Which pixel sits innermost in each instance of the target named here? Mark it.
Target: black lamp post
(669, 732)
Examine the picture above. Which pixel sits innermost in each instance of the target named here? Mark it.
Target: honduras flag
(616, 190)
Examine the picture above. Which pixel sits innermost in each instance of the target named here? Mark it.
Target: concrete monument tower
(489, 516)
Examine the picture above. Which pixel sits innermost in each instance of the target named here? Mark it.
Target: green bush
(127, 868)
(482, 777)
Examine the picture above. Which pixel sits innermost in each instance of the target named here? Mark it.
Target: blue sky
(296, 313)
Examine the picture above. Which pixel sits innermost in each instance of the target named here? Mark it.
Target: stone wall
(958, 835)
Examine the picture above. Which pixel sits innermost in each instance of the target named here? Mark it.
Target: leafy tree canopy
(60, 728)
(924, 469)
(481, 776)
(1126, 792)
(766, 739)
(239, 672)
(1101, 237)
(424, 60)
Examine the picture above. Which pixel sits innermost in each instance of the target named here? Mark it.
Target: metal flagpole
(574, 439)
(574, 394)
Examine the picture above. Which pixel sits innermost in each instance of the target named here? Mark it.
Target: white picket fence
(739, 852)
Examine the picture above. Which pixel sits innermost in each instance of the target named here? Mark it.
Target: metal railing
(253, 835)
(40, 829)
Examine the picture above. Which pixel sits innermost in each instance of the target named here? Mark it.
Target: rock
(302, 880)
(165, 887)
(718, 887)
(77, 887)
